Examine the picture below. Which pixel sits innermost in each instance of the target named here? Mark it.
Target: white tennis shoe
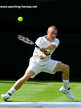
(67, 92)
(5, 97)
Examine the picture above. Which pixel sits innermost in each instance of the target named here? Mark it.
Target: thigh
(29, 73)
(60, 67)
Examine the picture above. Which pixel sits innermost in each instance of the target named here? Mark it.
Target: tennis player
(41, 62)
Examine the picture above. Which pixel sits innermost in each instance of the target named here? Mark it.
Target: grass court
(40, 91)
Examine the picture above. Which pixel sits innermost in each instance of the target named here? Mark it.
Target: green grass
(40, 91)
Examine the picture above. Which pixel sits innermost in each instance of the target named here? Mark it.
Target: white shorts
(48, 67)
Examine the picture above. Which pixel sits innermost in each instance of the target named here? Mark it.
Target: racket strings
(25, 39)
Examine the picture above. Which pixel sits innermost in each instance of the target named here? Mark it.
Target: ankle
(66, 83)
(11, 91)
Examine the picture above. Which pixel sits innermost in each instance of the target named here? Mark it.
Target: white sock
(11, 91)
(66, 83)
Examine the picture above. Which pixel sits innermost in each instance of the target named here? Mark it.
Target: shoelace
(69, 88)
(9, 94)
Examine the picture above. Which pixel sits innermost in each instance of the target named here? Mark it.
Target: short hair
(54, 27)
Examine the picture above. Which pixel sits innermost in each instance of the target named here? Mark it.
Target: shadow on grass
(28, 82)
(31, 81)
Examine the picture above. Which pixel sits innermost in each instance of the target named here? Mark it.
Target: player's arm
(50, 47)
(44, 51)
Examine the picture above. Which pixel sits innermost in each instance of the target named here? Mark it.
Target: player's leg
(65, 69)
(26, 76)
(18, 84)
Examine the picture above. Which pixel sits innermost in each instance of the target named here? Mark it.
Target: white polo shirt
(41, 42)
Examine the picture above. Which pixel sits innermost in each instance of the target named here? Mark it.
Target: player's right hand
(44, 51)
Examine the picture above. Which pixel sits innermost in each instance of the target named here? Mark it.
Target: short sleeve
(39, 42)
(56, 42)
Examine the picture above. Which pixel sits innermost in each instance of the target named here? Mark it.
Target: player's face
(51, 34)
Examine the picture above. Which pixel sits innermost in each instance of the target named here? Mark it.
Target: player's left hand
(44, 51)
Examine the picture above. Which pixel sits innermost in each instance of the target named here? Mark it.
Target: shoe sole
(3, 98)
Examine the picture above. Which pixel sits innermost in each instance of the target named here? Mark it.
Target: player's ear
(47, 32)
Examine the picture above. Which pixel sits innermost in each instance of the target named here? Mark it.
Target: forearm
(50, 47)
(46, 48)
(45, 51)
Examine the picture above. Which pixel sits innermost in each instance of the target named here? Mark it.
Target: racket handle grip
(37, 46)
(46, 52)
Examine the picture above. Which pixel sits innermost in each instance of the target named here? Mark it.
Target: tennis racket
(27, 40)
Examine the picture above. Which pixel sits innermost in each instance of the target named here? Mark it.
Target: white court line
(40, 104)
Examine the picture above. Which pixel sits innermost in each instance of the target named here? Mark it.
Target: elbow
(53, 47)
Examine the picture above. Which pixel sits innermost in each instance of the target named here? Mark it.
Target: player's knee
(66, 68)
